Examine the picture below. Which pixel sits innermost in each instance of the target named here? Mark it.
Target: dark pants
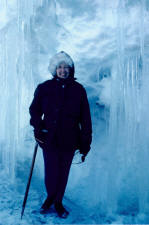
(57, 165)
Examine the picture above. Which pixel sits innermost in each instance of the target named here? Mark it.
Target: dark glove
(84, 153)
(83, 158)
(84, 150)
(40, 135)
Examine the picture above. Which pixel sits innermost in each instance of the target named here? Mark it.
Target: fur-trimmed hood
(57, 59)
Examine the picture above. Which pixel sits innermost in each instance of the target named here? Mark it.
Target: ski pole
(29, 179)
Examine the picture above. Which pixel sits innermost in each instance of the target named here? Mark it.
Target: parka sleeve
(35, 109)
(86, 124)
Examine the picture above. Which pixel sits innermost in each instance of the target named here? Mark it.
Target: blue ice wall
(109, 42)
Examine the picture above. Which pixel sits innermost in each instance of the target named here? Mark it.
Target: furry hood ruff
(57, 59)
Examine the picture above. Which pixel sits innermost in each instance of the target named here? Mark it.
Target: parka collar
(66, 81)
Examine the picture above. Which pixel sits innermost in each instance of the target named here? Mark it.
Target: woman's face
(63, 70)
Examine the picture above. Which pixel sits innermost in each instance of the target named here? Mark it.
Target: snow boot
(61, 211)
(46, 205)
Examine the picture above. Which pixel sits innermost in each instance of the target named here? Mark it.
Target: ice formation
(109, 43)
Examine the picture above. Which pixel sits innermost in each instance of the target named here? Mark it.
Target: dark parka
(61, 107)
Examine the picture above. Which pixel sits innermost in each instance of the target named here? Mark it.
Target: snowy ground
(11, 203)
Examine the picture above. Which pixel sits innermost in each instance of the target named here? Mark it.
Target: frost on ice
(111, 56)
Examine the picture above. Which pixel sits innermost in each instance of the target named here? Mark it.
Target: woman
(61, 119)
